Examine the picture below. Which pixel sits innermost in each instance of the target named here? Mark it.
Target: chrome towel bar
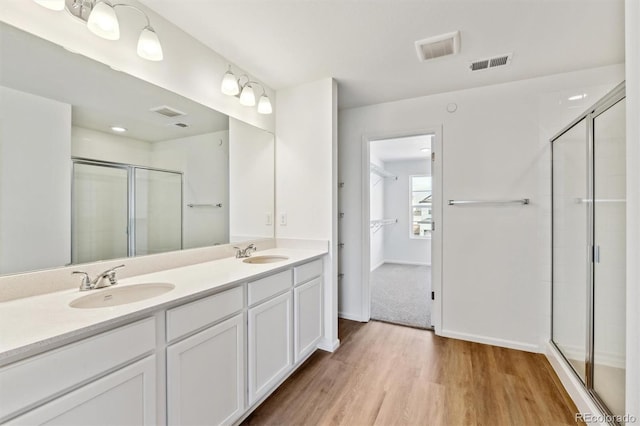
(204, 205)
(522, 201)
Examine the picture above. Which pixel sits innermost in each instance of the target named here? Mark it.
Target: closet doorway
(401, 224)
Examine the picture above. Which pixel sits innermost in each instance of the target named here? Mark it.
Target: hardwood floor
(385, 374)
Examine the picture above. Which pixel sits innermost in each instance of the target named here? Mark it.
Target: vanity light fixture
(247, 97)
(233, 86)
(101, 19)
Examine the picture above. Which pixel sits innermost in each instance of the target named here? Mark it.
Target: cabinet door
(124, 397)
(307, 317)
(270, 345)
(205, 376)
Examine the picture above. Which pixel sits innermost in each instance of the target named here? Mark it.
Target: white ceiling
(397, 149)
(368, 45)
(100, 96)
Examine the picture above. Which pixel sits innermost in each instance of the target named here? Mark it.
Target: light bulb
(103, 21)
(247, 97)
(229, 84)
(51, 4)
(149, 46)
(264, 105)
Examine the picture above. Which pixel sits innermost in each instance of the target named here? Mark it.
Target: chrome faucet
(245, 252)
(104, 279)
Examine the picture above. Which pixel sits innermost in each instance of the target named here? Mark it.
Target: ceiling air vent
(496, 61)
(167, 111)
(438, 46)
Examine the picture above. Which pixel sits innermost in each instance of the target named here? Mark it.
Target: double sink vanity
(199, 344)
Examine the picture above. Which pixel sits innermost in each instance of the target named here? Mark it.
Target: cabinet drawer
(304, 273)
(124, 397)
(195, 315)
(27, 382)
(270, 286)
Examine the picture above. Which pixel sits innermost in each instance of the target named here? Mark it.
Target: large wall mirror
(96, 164)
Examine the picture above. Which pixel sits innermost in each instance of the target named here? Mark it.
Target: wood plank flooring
(385, 374)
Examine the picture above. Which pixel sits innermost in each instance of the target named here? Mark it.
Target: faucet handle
(110, 274)
(86, 281)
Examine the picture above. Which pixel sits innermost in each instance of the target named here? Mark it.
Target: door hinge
(596, 254)
(433, 156)
(433, 295)
(433, 226)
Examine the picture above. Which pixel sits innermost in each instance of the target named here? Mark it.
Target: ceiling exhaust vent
(167, 111)
(438, 46)
(496, 61)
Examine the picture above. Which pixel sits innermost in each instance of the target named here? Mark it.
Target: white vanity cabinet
(205, 372)
(307, 296)
(221, 355)
(270, 333)
(307, 317)
(106, 379)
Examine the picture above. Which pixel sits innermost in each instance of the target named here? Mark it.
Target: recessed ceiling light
(578, 97)
(424, 149)
(118, 129)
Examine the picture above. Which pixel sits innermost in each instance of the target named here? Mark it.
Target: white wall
(632, 47)
(204, 161)
(251, 181)
(37, 129)
(95, 145)
(398, 247)
(306, 177)
(496, 261)
(189, 68)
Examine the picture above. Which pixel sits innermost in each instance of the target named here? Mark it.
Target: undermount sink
(265, 259)
(114, 296)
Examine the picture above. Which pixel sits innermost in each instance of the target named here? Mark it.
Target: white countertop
(31, 323)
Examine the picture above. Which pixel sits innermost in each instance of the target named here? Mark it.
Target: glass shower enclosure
(121, 210)
(588, 234)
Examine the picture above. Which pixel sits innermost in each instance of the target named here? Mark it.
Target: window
(421, 206)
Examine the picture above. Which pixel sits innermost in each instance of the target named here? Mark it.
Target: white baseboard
(572, 384)
(511, 344)
(352, 317)
(379, 264)
(404, 262)
(328, 345)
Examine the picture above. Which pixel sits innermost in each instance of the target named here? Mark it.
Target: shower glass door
(609, 267)
(121, 210)
(571, 245)
(589, 249)
(158, 211)
(100, 219)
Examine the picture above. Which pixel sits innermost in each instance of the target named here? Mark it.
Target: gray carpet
(401, 294)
